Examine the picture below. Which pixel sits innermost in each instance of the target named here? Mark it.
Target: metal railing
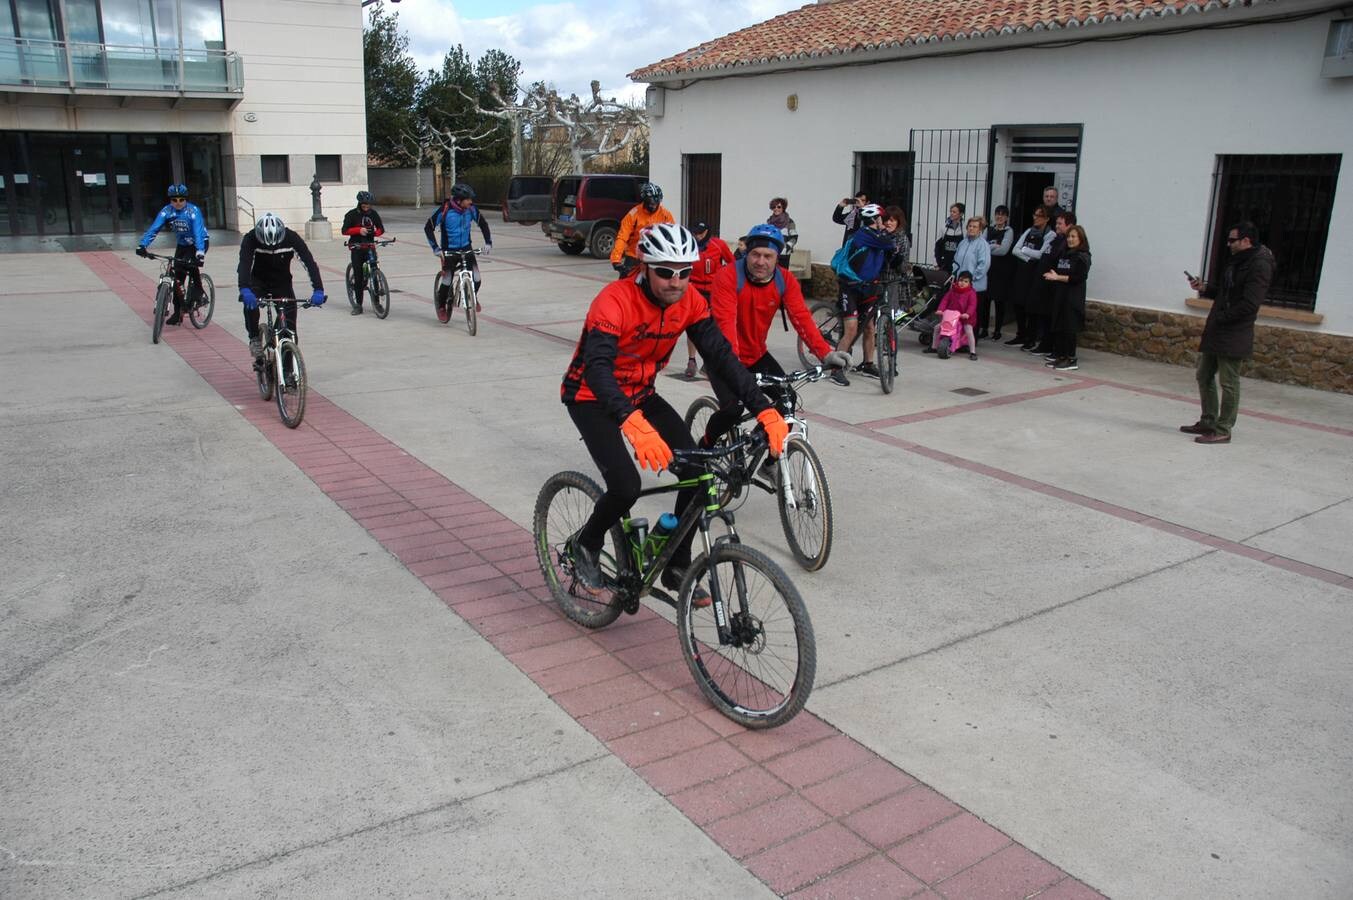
(243, 205)
(79, 65)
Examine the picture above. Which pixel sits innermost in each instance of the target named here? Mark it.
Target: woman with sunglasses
(190, 232)
(629, 334)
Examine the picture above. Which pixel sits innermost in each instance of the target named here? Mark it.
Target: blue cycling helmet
(765, 236)
(178, 190)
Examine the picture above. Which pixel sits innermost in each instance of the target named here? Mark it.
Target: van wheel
(601, 242)
(571, 249)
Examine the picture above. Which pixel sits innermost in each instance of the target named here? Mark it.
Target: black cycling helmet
(650, 191)
(462, 191)
(365, 197)
(178, 190)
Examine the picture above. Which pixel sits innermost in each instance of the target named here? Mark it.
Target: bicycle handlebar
(473, 251)
(377, 243)
(276, 301)
(186, 262)
(752, 441)
(805, 376)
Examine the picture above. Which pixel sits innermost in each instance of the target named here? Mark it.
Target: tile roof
(832, 29)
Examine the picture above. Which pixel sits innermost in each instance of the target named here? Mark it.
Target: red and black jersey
(628, 338)
(713, 257)
(355, 220)
(745, 316)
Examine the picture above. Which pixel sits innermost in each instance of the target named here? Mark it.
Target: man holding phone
(847, 213)
(1228, 335)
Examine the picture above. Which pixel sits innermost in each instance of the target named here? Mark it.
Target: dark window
(276, 169)
(626, 189)
(949, 165)
(329, 169)
(522, 186)
(1289, 199)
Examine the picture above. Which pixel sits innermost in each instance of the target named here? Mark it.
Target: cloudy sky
(571, 43)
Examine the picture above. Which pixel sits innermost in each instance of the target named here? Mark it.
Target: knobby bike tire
(697, 415)
(564, 504)
(809, 527)
(265, 370)
(291, 384)
(765, 681)
(200, 313)
(162, 295)
(349, 281)
(885, 343)
(829, 323)
(380, 294)
(465, 296)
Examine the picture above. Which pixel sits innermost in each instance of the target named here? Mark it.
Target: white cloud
(569, 44)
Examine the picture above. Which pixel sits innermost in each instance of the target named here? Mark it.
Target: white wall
(303, 85)
(1156, 113)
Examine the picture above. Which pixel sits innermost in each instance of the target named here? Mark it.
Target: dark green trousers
(1220, 416)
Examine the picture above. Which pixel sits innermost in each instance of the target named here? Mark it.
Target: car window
(623, 189)
(565, 189)
(521, 187)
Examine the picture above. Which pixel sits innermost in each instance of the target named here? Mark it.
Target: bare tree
(451, 141)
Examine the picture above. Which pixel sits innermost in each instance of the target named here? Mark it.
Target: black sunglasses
(178, 199)
(667, 274)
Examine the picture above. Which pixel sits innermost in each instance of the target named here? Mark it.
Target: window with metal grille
(885, 177)
(950, 165)
(276, 169)
(329, 169)
(1289, 198)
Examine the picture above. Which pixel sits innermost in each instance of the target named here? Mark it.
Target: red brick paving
(808, 809)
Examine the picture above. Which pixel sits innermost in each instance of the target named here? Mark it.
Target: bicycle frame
(273, 336)
(458, 272)
(788, 404)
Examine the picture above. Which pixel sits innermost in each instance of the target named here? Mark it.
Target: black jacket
(1244, 286)
(267, 270)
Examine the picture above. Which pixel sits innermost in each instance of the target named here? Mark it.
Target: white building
(1161, 123)
(103, 103)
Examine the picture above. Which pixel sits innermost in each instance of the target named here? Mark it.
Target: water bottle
(657, 539)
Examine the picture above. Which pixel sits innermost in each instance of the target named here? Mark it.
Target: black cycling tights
(613, 456)
(286, 313)
(730, 406)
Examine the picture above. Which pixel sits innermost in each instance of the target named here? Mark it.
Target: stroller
(928, 287)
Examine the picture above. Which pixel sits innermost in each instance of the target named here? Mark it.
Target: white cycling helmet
(269, 229)
(668, 243)
(870, 211)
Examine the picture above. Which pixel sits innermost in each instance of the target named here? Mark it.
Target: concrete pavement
(1122, 650)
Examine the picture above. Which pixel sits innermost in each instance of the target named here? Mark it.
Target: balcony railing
(109, 67)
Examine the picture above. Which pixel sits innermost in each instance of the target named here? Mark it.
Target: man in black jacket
(265, 271)
(1228, 336)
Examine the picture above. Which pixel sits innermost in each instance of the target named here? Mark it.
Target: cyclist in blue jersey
(190, 231)
(449, 229)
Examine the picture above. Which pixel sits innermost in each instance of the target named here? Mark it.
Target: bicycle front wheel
(563, 506)
(350, 282)
(466, 298)
(760, 676)
(697, 420)
(199, 312)
(807, 523)
(380, 294)
(162, 301)
(290, 383)
(885, 343)
(829, 324)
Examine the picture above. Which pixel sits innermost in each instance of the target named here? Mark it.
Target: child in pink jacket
(962, 299)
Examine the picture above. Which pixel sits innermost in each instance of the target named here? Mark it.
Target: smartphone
(1189, 276)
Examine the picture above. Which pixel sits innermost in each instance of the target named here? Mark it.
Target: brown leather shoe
(1195, 428)
(1212, 438)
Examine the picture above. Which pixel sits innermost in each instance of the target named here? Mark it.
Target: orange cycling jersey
(745, 318)
(632, 226)
(628, 338)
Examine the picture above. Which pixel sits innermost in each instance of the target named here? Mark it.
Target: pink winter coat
(963, 301)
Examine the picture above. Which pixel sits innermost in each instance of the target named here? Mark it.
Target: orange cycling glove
(649, 447)
(777, 429)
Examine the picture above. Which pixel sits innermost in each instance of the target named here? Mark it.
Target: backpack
(841, 261)
(741, 267)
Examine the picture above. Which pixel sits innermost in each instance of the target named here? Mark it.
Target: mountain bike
(456, 266)
(281, 368)
(377, 286)
(885, 329)
(797, 478)
(751, 650)
(827, 315)
(173, 275)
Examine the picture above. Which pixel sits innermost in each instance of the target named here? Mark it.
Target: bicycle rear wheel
(808, 524)
(564, 505)
(162, 301)
(466, 298)
(831, 326)
(380, 294)
(763, 676)
(199, 312)
(885, 343)
(350, 283)
(291, 384)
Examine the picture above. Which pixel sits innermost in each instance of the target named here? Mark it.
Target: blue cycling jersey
(190, 230)
(452, 226)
